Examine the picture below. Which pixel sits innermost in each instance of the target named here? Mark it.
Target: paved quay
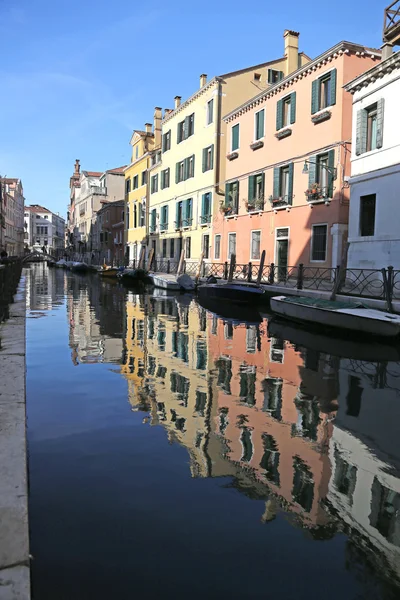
(14, 531)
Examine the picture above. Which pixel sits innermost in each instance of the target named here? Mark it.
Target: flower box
(323, 116)
(257, 145)
(232, 155)
(283, 134)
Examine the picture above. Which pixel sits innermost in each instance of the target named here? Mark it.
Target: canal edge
(14, 525)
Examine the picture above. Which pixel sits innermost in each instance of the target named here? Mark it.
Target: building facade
(287, 160)
(110, 224)
(44, 230)
(136, 191)
(12, 216)
(187, 171)
(375, 167)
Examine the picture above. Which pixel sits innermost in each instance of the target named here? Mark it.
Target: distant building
(110, 226)
(44, 229)
(375, 167)
(12, 216)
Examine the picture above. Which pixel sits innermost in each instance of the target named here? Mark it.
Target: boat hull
(361, 320)
(165, 284)
(108, 273)
(235, 293)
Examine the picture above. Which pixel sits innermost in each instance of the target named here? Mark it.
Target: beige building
(12, 216)
(187, 173)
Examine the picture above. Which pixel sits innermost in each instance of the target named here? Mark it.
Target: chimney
(148, 127)
(291, 51)
(157, 126)
(177, 101)
(203, 80)
(77, 167)
(167, 111)
(387, 50)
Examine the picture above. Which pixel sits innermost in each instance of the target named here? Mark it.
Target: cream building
(187, 174)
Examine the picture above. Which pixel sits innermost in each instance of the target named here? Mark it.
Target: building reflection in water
(45, 288)
(304, 430)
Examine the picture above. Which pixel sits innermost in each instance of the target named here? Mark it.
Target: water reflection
(312, 434)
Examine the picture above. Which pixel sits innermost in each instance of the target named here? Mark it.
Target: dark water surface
(173, 454)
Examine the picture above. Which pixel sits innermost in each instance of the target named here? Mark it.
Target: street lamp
(331, 170)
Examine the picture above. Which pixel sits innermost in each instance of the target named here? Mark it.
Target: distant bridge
(38, 256)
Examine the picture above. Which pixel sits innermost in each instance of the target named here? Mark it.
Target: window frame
(372, 115)
(217, 235)
(256, 139)
(252, 258)
(286, 111)
(238, 137)
(364, 197)
(206, 235)
(231, 233)
(315, 260)
(210, 114)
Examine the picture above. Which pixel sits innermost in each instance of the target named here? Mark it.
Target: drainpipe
(217, 189)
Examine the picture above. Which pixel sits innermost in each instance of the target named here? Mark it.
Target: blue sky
(78, 77)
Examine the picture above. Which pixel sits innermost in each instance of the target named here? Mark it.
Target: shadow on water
(175, 453)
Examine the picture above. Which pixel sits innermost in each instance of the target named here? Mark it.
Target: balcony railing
(318, 194)
(204, 219)
(183, 223)
(163, 226)
(391, 25)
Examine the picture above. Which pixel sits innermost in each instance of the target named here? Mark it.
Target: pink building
(287, 161)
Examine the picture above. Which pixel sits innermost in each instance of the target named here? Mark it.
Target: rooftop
(36, 208)
(374, 73)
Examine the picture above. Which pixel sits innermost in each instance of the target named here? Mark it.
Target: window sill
(257, 211)
(231, 217)
(284, 133)
(205, 224)
(326, 201)
(321, 116)
(232, 155)
(256, 145)
(285, 207)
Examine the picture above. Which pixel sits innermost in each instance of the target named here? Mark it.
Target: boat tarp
(320, 303)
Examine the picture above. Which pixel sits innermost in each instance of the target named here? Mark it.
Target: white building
(374, 234)
(44, 229)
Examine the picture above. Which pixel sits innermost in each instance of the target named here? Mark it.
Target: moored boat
(173, 283)
(331, 313)
(61, 264)
(109, 271)
(79, 267)
(133, 276)
(237, 293)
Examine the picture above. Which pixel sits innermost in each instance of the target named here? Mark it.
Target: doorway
(282, 252)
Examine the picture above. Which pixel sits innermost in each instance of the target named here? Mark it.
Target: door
(282, 252)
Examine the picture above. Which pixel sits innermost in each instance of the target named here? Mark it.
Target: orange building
(287, 162)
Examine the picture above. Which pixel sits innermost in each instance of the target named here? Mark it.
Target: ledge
(232, 155)
(257, 145)
(320, 117)
(284, 133)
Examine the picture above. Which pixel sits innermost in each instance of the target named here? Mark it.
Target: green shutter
(163, 143)
(177, 173)
(166, 215)
(177, 215)
(235, 137)
(186, 169)
(194, 166)
(315, 96)
(260, 131)
(293, 107)
(263, 184)
(277, 177)
(204, 159)
(379, 122)
(279, 114)
(361, 132)
(162, 179)
(331, 165)
(186, 128)
(290, 190)
(333, 87)
(281, 75)
(161, 217)
(184, 213)
(251, 188)
(269, 75)
(228, 188)
(203, 209)
(212, 156)
(153, 219)
(312, 170)
(178, 134)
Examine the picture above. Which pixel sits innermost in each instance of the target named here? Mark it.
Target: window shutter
(227, 192)
(315, 96)
(269, 75)
(312, 170)
(178, 134)
(184, 212)
(185, 169)
(276, 190)
(162, 217)
(193, 159)
(177, 215)
(153, 219)
(186, 128)
(281, 75)
(204, 159)
(251, 188)
(279, 114)
(331, 165)
(379, 122)
(166, 215)
(333, 87)
(293, 108)
(163, 143)
(290, 190)
(212, 157)
(162, 179)
(261, 124)
(203, 205)
(263, 184)
(177, 173)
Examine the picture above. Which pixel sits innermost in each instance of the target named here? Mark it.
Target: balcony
(230, 209)
(205, 219)
(281, 201)
(391, 25)
(255, 205)
(317, 194)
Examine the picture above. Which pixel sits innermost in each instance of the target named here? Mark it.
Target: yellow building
(136, 191)
(187, 174)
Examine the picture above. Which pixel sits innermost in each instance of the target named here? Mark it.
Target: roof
(92, 173)
(9, 179)
(140, 132)
(342, 47)
(379, 70)
(36, 208)
(117, 170)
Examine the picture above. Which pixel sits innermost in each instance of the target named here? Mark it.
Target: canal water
(175, 454)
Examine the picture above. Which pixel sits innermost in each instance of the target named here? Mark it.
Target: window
(217, 247)
(190, 167)
(235, 137)
(137, 152)
(286, 111)
(180, 171)
(259, 124)
(166, 141)
(154, 184)
(210, 111)
(179, 214)
(369, 128)
(153, 220)
(165, 178)
(135, 182)
(255, 250)
(187, 212)
(185, 128)
(190, 125)
(46, 216)
(208, 158)
(283, 186)
(321, 172)
(127, 213)
(367, 214)
(232, 197)
(256, 192)
(144, 177)
(172, 248)
(181, 132)
(323, 92)
(142, 215)
(128, 186)
(205, 216)
(164, 248)
(319, 239)
(231, 244)
(164, 218)
(274, 76)
(187, 247)
(206, 246)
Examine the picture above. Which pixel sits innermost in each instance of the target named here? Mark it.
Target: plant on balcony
(316, 192)
(226, 209)
(279, 200)
(255, 204)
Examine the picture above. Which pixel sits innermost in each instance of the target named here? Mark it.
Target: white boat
(336, 314)
(172, 283)
(61, 264)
